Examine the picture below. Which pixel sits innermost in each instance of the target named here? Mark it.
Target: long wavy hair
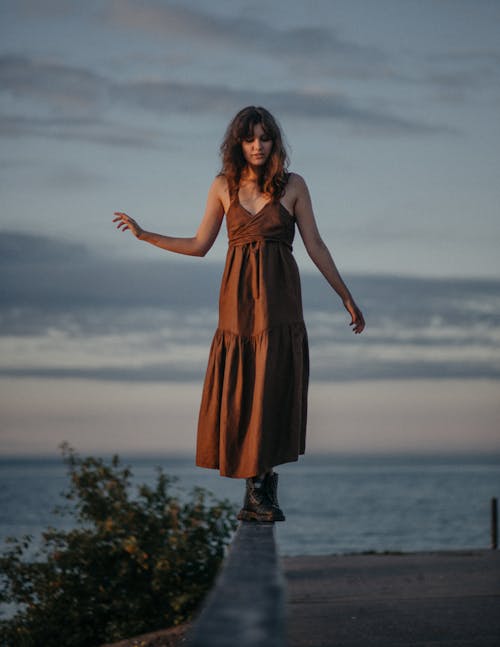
(274, 177)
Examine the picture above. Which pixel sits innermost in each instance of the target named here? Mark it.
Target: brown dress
(254, 403)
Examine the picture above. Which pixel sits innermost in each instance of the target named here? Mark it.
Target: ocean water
(333, 504)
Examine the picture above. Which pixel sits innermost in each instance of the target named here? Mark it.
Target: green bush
(132, 564)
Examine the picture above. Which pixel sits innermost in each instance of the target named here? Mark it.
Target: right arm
(197, 245)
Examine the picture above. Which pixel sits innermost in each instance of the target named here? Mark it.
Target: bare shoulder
(220, 190)
(220, 185)
(295, 192)
(294, 179)
(296, 185)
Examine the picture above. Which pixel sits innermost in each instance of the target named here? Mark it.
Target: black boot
(256, 506)
(271, 486)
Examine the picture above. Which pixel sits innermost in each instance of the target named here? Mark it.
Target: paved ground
(447, 599)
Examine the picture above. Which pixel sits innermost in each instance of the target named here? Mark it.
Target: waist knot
(239, 241)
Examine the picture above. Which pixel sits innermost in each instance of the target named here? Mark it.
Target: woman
(254, 403)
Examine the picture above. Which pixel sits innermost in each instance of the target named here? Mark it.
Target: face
(256, 149)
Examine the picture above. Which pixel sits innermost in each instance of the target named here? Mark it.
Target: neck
(252, 173)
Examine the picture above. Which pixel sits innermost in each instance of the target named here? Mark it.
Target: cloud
(453, 85)
(52, 273)
(67, 312)
(177, 97)
(36, 9)
(310, 52)
(64, 89)
(317, 51)
(22, 249)
(239, 32)
(96, 131)
(458, 75)
(46, 271)
(316, 47)
(468, 57)
(338, 372)
(65, 102)
(79, 98)
(68, 177)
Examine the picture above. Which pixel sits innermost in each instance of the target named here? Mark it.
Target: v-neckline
(253, 215)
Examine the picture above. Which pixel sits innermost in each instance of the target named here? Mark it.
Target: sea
(334, 504)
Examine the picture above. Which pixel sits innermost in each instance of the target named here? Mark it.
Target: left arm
(319, 252)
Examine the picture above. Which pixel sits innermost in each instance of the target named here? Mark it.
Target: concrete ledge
(246, 607)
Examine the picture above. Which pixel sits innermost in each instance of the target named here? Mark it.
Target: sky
(390, 110)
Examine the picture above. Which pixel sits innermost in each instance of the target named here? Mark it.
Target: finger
(360, 327)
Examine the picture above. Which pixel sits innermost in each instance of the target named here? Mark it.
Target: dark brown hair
(275, 174)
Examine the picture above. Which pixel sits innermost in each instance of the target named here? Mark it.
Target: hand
(357, 319)
(126, 222)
